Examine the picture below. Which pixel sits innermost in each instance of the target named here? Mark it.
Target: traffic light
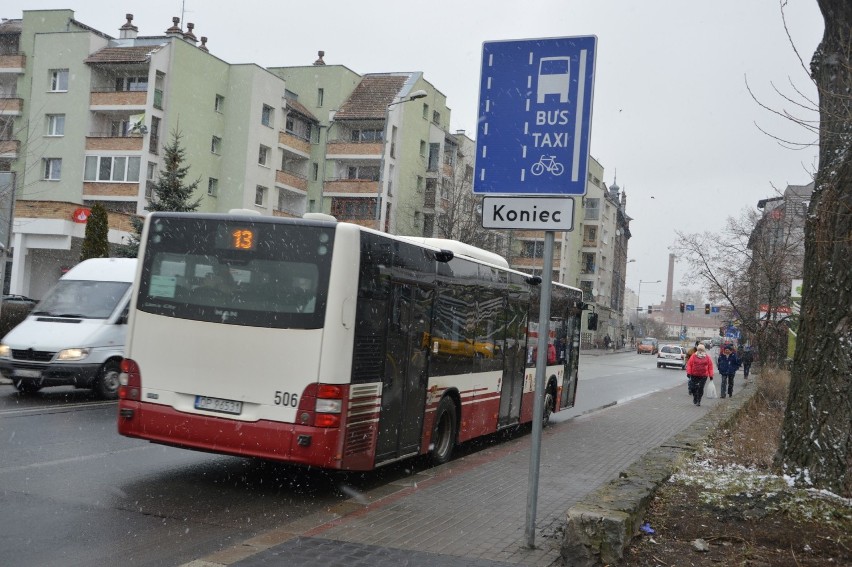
(707, 309)
(682, 306)
(649, 309)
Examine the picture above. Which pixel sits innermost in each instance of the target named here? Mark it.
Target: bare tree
(816, 440)
(748, 267)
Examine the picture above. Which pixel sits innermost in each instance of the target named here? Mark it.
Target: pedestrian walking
(699, 368)
(607, 341)
(747, 359)
(728, 364)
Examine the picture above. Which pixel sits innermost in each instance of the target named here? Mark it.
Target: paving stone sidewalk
(472, 511)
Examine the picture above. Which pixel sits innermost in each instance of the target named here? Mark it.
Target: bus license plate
(218, 405)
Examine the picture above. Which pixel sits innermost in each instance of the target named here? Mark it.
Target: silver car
(671, 355)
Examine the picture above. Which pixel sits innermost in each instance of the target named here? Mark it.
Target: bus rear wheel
(549, 406)
(444, 432)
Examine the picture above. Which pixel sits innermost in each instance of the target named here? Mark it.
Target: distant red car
(648, 345)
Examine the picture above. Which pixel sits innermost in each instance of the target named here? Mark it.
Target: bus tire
(106, 384)
(444, 432)
(549, 406)
(26, 387)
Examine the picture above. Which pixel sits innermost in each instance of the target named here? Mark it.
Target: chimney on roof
(320, 61)
(188, 35)
(203, 46)
(128, 30)
(175, 30)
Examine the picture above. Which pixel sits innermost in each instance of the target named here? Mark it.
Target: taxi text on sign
(535, 112)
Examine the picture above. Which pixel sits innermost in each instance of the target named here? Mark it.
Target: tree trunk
(816, 439)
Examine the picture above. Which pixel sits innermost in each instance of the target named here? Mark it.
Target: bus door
(406, 376)
(514, 362)
(572, 359)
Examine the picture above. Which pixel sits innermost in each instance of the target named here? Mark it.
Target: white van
(75, 335)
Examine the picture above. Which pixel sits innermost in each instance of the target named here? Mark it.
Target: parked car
(672, 355)
(22, 299)
(648, 345)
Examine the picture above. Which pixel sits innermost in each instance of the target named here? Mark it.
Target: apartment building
(381, 146)
(592, 257)
(85, 117)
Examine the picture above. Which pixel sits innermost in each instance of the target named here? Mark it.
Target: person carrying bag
(699, 368)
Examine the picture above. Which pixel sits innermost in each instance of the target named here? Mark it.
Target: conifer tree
(96, 243)
(170, 192)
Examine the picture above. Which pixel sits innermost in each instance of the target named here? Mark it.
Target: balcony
(10, 105)
(590, 243)
(354, 150)
(118, 98)
(351, 187)
(294, 144)
(93, 189)
(290, 179)
(14, 63)
(9, 148)
(103, 142)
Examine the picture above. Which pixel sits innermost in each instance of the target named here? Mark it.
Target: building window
(428, 226)
(219, 105)
(260, 196)
(425, 111)
(363, 172)
(587, 263)
(299, 128)
(592, 209)
(212, 186)
(151, 171)
(55, 124)
(586, 287)
(58, 80)
(422, 148)
(368, 136)
(131, 84)
(314, 171)
(263, 156)
(590, 235)
(52, 169)
(119, 169)
(120, 128)
(266, 115)
(154, 136)
(353, 208)
(436, 117)
(320, 96)
(532, 249)
(216, 145)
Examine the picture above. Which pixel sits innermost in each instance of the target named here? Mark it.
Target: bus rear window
(263, 274)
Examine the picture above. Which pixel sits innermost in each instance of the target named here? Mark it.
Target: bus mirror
(444, 255)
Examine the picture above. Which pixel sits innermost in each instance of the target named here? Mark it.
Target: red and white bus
(327, 344)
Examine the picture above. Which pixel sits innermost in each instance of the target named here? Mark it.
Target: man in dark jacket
(727, 364)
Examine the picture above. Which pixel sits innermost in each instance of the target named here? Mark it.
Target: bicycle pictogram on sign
(547, 163)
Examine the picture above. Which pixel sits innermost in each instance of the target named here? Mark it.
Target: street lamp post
(382, 193)
(640, 290)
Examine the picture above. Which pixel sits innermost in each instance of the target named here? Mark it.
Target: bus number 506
(286, 399)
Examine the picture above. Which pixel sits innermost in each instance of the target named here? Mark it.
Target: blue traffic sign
(690, 307)
(715, 309)
(535, 114)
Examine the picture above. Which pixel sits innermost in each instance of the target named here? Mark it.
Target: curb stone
(602, 525)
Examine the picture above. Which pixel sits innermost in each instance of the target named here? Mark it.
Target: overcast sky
(672, 114)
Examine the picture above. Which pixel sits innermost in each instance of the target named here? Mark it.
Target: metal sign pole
(538, 406)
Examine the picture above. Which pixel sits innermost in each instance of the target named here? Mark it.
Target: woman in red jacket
(699, 368)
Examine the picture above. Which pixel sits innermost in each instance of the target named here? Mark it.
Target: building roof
(299, 108)
(11, 26)
(370, 99)
(139, 54)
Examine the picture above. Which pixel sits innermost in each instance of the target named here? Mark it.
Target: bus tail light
(321, 405)
(130, 381)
